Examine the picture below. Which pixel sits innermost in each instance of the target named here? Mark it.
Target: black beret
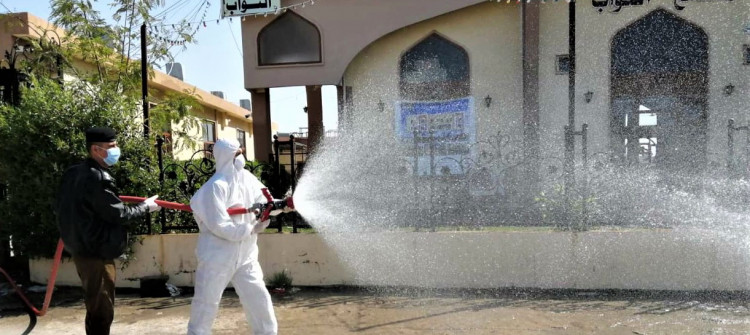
(100, 134)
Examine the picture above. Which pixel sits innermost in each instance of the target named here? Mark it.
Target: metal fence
(502, 183)
(179, 180)
(496, 179)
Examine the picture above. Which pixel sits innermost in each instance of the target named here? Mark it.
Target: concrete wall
(643, 259)
(306, 256)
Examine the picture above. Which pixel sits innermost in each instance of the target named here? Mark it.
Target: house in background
(217, 117)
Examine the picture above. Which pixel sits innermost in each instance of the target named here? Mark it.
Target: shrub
(43, 136)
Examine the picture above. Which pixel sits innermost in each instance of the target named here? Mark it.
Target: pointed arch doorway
(659, 93)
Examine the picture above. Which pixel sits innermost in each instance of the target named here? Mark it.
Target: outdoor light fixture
(247, 116)
(19, 48)
(487, 101)
(588, 95)
(381, 106)
(729, 89)
(304, 109)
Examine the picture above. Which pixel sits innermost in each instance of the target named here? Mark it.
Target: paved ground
(349, 311)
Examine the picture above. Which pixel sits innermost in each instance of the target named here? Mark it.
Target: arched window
(290, 39)
(434, 69)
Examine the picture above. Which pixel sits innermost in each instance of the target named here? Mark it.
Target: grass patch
(280, 280)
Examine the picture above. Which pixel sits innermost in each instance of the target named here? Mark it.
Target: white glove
(151, 203)
(261, 226)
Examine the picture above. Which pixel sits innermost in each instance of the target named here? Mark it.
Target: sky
(218, 51)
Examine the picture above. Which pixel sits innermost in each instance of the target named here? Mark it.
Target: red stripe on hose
(179, 206)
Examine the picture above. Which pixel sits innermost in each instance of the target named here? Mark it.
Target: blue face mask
(113, 155)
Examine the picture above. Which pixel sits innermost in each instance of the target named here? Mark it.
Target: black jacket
(90, 215)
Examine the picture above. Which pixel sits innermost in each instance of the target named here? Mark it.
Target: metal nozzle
(284, 204)
(264, 209)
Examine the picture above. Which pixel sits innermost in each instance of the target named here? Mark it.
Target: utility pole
(572, 64)
(569, 130)
(144, 80)
(144, 97)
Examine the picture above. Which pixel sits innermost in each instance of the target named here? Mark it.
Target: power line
(192, 14)
(235, 40)
(173, 8)
(197, 9)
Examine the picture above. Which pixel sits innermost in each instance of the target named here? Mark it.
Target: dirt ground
(411, 311)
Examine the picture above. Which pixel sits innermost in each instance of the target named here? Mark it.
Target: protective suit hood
(224, 152)
(224, 190)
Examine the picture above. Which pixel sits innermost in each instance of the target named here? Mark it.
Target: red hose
(179, 206)
(50, 284)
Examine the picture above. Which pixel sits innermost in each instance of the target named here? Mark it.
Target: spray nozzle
(263, 210)
(283, 204)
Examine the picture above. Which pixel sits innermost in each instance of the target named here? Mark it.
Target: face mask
(113, 155)
(239, 162)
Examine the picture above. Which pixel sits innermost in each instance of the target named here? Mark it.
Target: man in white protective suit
(227, 245)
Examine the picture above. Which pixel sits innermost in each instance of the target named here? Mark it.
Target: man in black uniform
(93, 225)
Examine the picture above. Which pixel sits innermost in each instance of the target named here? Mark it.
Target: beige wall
(345, 27)
(495, 62)
(643, 259)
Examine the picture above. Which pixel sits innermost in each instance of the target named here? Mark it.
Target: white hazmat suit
(227, 245)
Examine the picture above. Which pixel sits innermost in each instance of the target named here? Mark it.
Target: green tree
(44, 133)
(113, 50)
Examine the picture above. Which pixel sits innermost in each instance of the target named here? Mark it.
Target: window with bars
(241, 139)
(208, 131)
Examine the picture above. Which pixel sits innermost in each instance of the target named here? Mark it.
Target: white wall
(638, 259)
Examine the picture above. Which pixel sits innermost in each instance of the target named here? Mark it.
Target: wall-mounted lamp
(23, 48)
(381, 106)
(487, 101)
(729, 89)
(304, 109)
(588, 96)
(247, 116)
